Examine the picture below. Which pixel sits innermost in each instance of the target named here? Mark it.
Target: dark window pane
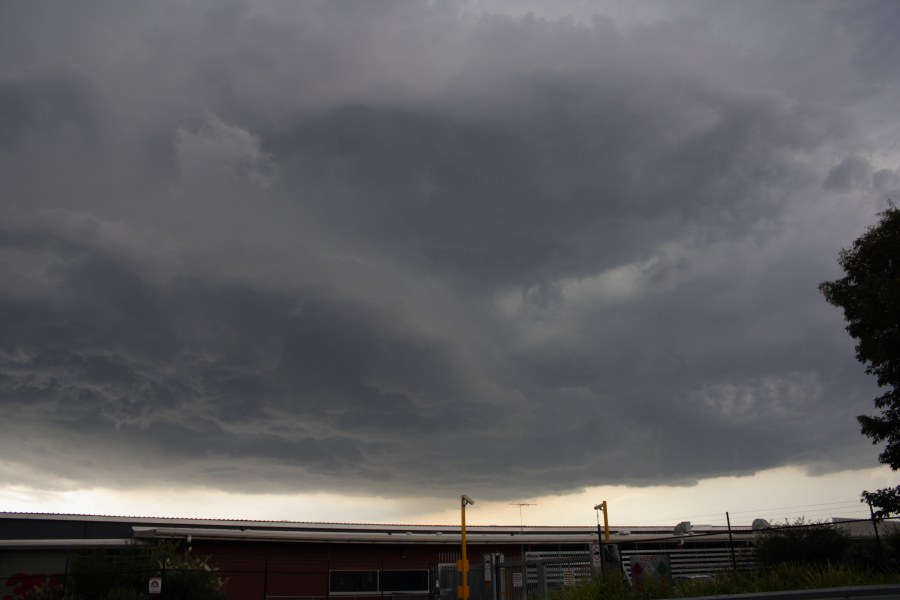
(404, 581)
(354, 581)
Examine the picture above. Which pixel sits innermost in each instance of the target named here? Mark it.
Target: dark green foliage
(885, 501)
(816, 545)
(869, 294)
(124, 574)
(781, 578)
(97, 574)
(124, 594)
(889, 552)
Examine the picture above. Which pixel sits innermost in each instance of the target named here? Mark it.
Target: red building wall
(257, 569)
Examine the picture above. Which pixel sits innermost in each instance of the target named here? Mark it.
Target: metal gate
(446, 579)
(540, 573)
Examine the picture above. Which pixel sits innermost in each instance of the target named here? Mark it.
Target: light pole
(601, 538)
(599, 507)
(462, 592)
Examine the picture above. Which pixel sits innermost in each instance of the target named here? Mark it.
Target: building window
(404, 581)
(375, 582)
(353, 582)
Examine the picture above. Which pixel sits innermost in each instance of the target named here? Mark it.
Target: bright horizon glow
(777, 495)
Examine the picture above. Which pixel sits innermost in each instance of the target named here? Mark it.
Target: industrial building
(282, 559)
(265, 560)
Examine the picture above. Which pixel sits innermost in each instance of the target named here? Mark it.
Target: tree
(100, 575)
(869, 294)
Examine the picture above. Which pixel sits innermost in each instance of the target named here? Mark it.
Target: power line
(845, 507)
(857, 502)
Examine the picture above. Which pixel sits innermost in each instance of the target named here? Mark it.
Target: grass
(781, 578)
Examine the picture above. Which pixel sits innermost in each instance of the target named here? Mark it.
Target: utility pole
(731, 542)
(877, 537)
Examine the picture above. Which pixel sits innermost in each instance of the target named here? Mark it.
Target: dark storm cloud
(48, 101)
(402, 248)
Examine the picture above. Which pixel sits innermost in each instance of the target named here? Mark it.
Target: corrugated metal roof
(538, 534)
(366, 532)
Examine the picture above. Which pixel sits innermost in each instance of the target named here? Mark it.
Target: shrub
(125, 574)
(801, 543)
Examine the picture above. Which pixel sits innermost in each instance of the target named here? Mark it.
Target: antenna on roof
(520, 505)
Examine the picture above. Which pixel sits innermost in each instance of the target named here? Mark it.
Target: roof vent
(683, 528)
(760, 524)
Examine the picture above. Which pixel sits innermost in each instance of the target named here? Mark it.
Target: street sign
(650, 567)
(155, 585)
(595, 556)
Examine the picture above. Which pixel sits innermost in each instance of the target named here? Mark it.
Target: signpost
(155, 585)
(517, 579)
(650, 567)
(596, 561)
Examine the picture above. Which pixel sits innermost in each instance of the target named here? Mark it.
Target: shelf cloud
(396, 248)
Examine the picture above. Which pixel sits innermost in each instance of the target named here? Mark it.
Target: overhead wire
(839, 508)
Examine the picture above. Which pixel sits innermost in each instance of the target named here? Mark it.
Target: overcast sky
(415, 249)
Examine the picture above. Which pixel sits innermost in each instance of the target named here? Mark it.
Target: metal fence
(691, 562)
(539, 574)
